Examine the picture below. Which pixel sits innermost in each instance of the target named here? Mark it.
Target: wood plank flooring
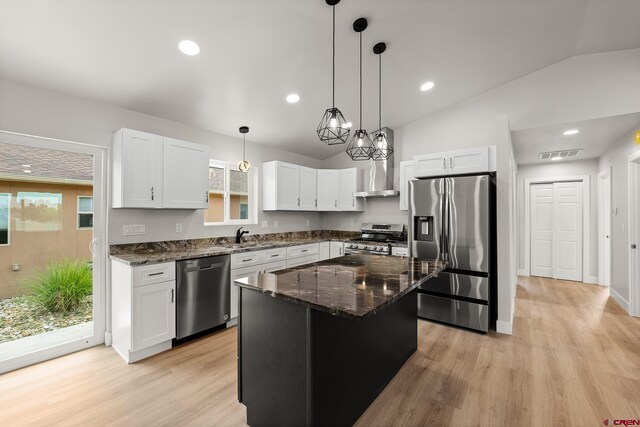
(574, 359)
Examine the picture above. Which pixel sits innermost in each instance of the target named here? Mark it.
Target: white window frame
(252, 197)
(8, 219)
(78, 212)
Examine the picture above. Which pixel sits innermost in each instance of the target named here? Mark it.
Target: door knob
(633, 246)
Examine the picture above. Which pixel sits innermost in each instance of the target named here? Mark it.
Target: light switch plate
(275, 224)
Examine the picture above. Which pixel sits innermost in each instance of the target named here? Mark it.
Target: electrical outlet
(265, 224)
(275, 224)
(132, 230)
(308, 223)
(178, 227)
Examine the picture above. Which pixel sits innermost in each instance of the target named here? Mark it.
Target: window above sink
(232, 195)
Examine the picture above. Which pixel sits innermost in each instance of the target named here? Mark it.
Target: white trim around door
(604, 227)
(634, 234)
(99, 246)
(586, 221)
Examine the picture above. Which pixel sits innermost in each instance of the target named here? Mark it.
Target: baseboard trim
(594, 280)
(522, 272)
(621, 301)
(503, 327)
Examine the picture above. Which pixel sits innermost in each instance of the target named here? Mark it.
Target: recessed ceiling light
(570, 132)
(26, 171)
(26, 166)
(427, 86)
(189, 47)
(293, 98)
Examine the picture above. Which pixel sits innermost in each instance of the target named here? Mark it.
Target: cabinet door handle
(151, 193)
(304, 250)
(171, 296)
(444, 163)
(298, 201)
(206, 197)
(160, 273)
(316, 203)
(353, 202)
(335, 203)
(451, 162)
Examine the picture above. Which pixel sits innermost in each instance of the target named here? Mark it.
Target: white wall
(616, 158)
(35, 111)
(562, 169)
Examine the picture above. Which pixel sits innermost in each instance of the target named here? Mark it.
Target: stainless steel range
(375, 239)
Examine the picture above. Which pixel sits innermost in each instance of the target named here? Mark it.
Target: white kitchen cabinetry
(143, 309)
(137, 169)
(471, 160)
(308, 188)
(185, 183)
(336, 249)
(406, 175)
(349, 181)
(237, 273)
(151, 171)
(325, 251)
(288, 187)
(327, 193)
(396, 251)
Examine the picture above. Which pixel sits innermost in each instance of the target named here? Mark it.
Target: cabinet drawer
(303, 250)
(155, 273)
(274, 255)
(273, 266)
(245, 259)
(396, 251)
(308, 259)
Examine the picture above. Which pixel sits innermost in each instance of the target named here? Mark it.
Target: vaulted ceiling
(255, 52)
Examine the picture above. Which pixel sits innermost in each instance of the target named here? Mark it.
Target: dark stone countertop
(177, 253)
(354, 286)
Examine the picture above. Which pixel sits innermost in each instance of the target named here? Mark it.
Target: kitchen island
(319, 342)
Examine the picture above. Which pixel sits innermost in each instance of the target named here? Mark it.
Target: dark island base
(298, 366)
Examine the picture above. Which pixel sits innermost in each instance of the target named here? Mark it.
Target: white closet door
(567, 221)
(542, 230)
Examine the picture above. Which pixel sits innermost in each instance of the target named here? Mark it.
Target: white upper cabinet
(185, 177)
(328, 189)
(151, 171)
(280, 186)
(349, 181)
(308, 188)
(137, 169)
(406, 175)
(471, 160)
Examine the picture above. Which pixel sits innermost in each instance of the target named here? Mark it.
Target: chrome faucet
(239, 233)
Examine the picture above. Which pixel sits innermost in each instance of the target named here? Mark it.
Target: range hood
(380, 175)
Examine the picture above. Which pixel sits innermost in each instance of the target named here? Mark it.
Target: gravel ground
(22, 317)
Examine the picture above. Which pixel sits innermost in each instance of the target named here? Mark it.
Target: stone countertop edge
(149, 258)
(439, 266)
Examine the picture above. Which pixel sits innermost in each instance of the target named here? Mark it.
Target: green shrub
(63, 285)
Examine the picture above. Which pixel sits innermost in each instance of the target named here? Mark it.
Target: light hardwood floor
(574, 359)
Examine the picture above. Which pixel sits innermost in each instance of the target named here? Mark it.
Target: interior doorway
(557, 219)
(52, 248)
(604, 227)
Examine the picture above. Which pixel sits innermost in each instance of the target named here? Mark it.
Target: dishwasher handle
(204, 267)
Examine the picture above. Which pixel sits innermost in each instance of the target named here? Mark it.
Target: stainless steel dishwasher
(202, 294)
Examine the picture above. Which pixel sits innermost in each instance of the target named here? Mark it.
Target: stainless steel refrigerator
(453, 219)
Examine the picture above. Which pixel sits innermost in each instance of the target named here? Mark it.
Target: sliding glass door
(52, 248)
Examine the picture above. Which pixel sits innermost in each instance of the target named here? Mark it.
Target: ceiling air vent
(557, 155)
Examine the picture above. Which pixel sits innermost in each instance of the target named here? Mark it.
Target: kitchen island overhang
(319, 342)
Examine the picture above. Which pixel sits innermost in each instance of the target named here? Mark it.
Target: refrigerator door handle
(444, 201)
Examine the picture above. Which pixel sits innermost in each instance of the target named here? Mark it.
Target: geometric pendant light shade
(383, 149)
(360, 147)
(333, 128)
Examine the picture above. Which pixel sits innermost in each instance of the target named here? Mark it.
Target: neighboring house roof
(44, 164)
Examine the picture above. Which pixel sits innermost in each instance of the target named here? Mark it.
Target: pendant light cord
(333, 64)
(360, 79)
(244, 146)
(380, 93)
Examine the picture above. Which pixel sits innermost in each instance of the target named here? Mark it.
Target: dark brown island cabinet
(319, 342)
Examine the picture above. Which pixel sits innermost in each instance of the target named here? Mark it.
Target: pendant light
(383, 149)
(333, 128)
(360, 147)
(244, 165)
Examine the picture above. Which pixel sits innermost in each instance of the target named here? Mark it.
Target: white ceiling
(255, 52)
(594, 138)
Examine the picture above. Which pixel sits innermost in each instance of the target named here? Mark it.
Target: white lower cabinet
(325, 251)
(237, 273)
(336, 249)
(143, 309)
